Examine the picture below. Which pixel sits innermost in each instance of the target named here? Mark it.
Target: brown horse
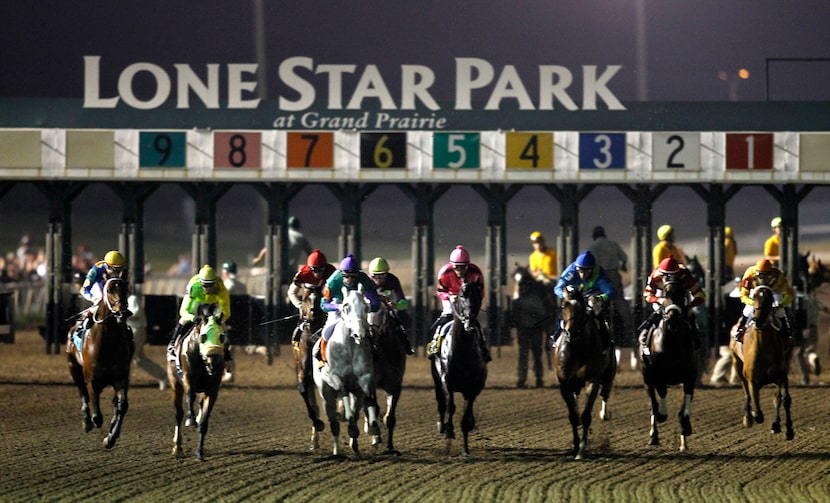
(671, 360)
(579, 360)
(817, 272)
(763, 358)
(312, 319)
(102, 358)
(390, 366)
(196, 374)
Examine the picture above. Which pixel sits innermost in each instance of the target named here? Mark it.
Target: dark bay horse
(579, 360)
(533, 314)
(196, 374)
(817, 272)
(671, 361)
(764, 358)
(390, 366)
(348, 375)
(102, 358)
(312, 319)
(459, 366)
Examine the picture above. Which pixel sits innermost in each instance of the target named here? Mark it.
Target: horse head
(115, 297)
(696, 268)
(524, 280)
(354, 314)
(676, 311)
(763, 303)
(312, 312)
(468, 303)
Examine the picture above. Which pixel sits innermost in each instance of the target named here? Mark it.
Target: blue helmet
(586, 260)
(349, 264)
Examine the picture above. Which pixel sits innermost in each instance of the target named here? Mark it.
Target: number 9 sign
(162, 149)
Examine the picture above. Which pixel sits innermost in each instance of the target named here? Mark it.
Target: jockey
(542, 261)
(764, 273)
(391, 293)
(653, 293)
(203, 288)
(585, 274)
(114, 265)
(350, 277)
(314, 273)
(450, 279)
(666, 247)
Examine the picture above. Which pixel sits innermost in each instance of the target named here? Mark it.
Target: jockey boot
(739, 330)
(174, 337)
(485, 351)
(410, 350)
(321, 351)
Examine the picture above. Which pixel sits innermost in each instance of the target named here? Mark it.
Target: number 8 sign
(237, 150)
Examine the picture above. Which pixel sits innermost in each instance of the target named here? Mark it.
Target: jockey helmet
(378, 265)
(775, 222)
(668, 265)
(229, 266)
(663, 231)
(536, 236)
(115, 259)
(293, 222)
(727, 231)
(599, 231)
(317, 259)
(763, 265)
(586, 260)
(459, 256)
(349, 264)
(207, 275)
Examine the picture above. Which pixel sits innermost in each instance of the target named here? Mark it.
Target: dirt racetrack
(257, 448)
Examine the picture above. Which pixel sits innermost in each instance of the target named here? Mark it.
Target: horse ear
(360, 287)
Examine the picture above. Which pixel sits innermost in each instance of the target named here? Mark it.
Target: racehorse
(390, 366)
(195, 373)
(102, 358)
(349, 371)
(312, 319)
(763, 358)
(671, 360)
(817, 272)
(533, 313)
(701, 313)
(578, 359)
(459, 366)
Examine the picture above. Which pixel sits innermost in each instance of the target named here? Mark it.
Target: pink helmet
(460, 256)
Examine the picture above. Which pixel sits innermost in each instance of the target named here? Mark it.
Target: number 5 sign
(749, 151)
(456, 150)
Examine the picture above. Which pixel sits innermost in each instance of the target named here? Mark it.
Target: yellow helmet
(207, 274)
(776, 222)
(663, 231)
(536, 236)
(727, 231)
(115, 259)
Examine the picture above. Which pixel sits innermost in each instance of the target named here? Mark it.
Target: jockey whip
(284, 318)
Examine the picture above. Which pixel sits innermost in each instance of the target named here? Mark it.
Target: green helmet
(378, 265)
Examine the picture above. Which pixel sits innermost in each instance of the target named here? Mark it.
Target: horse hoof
(88, 426)
(389, 451)
(109, 443)
(98, 421)
(376, 440)
(440, 426)
(661, 418)
(790, 434)
(748, 422)
(759, 418)
(776, 428)
(654, 441)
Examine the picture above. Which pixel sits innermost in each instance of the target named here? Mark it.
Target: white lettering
(296, 83)
(188, 80)
(371, 85)
(554, 81)
(335, 73)
(125, 86)
(591, 87)
(509, 85)
(415, 83)
(465, 83)
(92, 85)
(236, 86)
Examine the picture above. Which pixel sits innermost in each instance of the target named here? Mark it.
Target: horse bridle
(106, 300)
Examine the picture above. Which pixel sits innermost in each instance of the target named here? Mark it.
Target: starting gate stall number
(456, 150)
(20, 149)
(310, 150)
(675, 151)
(383, 150)
(237, 150)
(601, 150)
(749, 151)
(528, 151)
(813, 149)
(160, 149)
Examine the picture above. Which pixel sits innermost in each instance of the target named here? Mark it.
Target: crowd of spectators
(27, 264)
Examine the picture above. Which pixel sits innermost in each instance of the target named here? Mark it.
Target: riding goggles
(349, 275)
(318, 269)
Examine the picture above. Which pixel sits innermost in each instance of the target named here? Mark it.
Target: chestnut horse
(671, 360)
(312, 319)
(459, 366)
(579, 360)
(102, 358)
(195, 374)
(763, 358)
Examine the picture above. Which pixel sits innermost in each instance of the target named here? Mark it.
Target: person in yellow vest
(730, 252)
(542, 261)
(666, 247)
(772, 245)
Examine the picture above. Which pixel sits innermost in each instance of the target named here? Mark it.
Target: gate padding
(247, 313)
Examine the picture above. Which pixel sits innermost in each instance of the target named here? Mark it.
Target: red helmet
(460, 256)
(669, 265)
(317, 259)
(763, 265)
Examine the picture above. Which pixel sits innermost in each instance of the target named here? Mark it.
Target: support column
(205, 195)
(131, 237)
(351, 196)
(789, 197)
(567, 242)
